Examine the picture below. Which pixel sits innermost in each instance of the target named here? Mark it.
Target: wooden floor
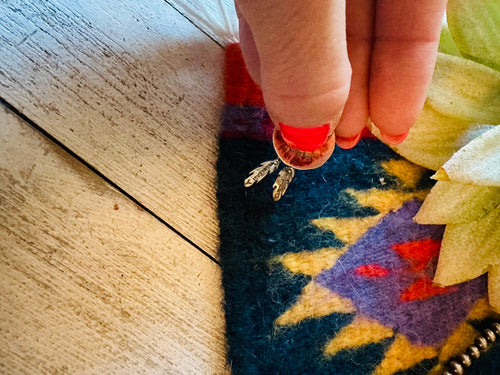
(108, 227)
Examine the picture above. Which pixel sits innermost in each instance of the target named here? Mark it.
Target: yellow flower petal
(465, 90)
(441, 175)
(469, 249)
(494, 287)
(478, 162)
(454, 202)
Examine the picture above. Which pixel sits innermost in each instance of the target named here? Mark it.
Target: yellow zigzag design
(359, 332)
(462, 337)
(385, 201)
(408, 173)
(402, 355)
(348, 230)
(311, 263)
(314, 302)
(317, 301)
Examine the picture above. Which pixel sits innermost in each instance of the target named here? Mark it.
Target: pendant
(293, 158)
(282, 182)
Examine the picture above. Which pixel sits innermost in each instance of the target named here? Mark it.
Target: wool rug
(336, 277)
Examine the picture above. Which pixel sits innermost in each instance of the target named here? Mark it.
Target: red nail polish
(293, 151)
(394, 139)
(348, 142)
(305, 139)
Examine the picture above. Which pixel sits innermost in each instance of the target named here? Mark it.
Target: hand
(341, 62)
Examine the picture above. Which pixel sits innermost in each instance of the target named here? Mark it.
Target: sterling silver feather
(261, 171)
(282, 182)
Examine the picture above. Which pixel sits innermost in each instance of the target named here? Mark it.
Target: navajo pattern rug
(336, 277)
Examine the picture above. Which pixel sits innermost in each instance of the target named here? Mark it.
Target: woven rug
(336, 277)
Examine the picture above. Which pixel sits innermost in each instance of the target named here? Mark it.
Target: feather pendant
(261, 171)
(284, 179)
(216, 18)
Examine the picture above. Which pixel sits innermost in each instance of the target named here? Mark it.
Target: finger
(404, 54)
(359, 25)
(304, 69)
(248, 48)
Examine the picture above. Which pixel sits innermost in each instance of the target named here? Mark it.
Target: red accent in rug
(419, 253)
(240, 87)
(424, 288)
(371, 270)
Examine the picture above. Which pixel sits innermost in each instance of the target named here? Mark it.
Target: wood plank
(133, 88)
(90, 283)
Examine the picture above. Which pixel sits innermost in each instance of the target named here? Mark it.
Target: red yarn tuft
(240, 87)
(371, 270)
(419, 253)
(424, 288)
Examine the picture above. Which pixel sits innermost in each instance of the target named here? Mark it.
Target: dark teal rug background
(254, 229)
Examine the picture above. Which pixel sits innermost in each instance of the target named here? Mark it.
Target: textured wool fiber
(336, 277)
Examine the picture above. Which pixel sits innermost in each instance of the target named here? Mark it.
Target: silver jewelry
(282, 182)
(284, 179)
(261, 171)
(481, 344)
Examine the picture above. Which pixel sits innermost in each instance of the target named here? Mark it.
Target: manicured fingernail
(300, 159)
(305, 139)
(394, 139)
(347, 142)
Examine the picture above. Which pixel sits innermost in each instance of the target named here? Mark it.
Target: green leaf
(469, 249)
(453, 203)
(478, 162)
(446, 43)
(475, 27)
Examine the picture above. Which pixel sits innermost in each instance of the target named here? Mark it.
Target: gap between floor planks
(40, 93)
(90, 283)
(133, 89)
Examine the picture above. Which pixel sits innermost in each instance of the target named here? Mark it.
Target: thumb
(297, 51)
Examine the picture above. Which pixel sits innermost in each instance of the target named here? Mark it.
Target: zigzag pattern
(336, 277)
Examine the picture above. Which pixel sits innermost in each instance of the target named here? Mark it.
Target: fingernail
(305, 139)
(300, 159)
(347, 142)
(394, 139)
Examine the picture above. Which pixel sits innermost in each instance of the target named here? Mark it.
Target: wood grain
(133, 88)
(89, 283)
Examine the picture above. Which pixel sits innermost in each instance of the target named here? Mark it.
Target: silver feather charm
(261, 171)
(282, 182)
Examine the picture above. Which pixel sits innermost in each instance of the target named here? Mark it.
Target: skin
(342, 61)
